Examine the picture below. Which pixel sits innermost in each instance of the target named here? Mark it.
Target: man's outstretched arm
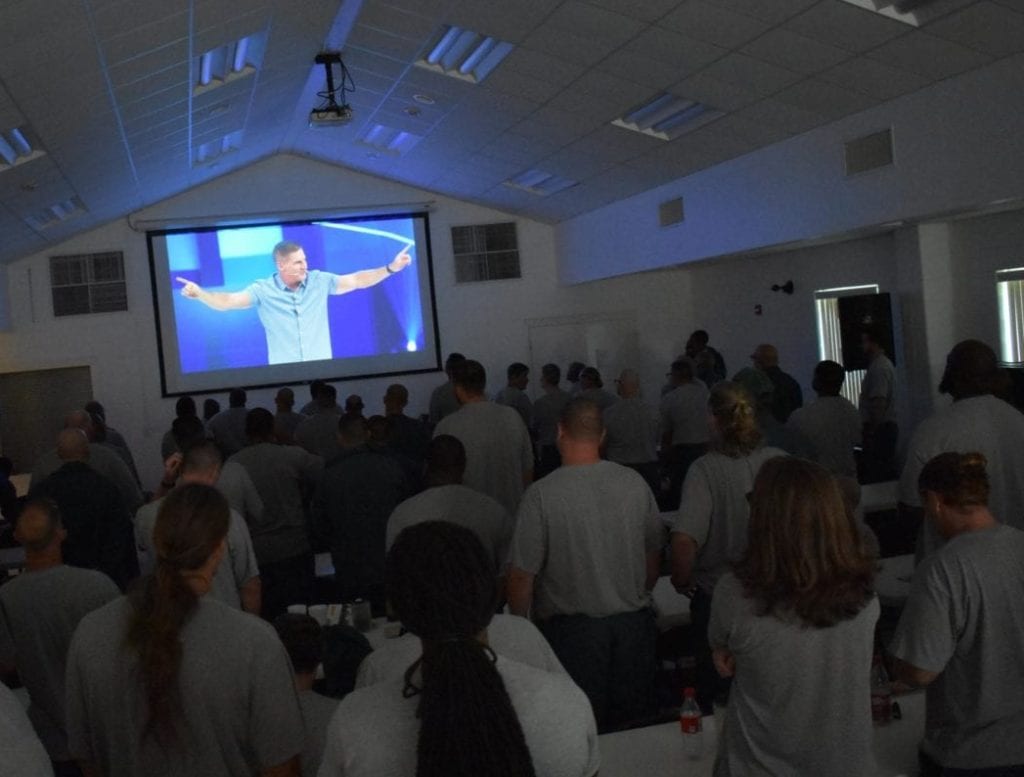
(364, 279)
(218, 300)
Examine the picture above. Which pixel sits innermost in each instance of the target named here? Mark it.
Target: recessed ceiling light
(424, 99)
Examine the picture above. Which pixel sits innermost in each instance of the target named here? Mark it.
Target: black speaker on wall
(855, 313)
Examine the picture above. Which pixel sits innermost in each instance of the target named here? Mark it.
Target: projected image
(293, 293)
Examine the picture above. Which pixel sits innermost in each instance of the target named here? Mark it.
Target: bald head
(765, 356)
(39, 527)
(629, 384)
(80, 419)
(73, 445)
(582, 422)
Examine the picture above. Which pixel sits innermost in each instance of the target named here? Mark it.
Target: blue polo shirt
(295, 321)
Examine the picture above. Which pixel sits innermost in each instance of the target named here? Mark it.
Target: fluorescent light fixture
(388, 140)
(17, 146)
(915, 13)
(215, 149)
(230, 62)
(55, 214)
(464, 54)
(667, 116)
(540, 182)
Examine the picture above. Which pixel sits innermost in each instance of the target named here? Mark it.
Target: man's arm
(251, 595)
(364, 279)
(217, 300)
(912, 675)
(684, 558)
(520, 592)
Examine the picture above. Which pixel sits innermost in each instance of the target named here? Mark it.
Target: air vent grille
(869, 152)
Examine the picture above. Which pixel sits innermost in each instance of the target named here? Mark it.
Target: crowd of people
(517, 542)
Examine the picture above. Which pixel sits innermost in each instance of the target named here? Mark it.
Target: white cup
(297, 609)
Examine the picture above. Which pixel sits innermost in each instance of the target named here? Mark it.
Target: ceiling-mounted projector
(333, 112)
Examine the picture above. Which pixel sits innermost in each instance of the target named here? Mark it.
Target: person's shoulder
(103, 623)
(368, 709)
(556, 695)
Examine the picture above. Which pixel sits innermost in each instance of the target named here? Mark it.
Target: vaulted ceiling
(110, 105)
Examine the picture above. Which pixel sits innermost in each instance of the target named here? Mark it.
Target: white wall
(486, 321)
(950, 160)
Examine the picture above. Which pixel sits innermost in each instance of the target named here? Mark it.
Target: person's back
(21, 752)
(357, 493)
(965, 619)
(103, 461)
(832, 425)
(460, 505)
(443, 402)
(498, 449)
(631, 432)
(318, 433)
(228, 430)
(546, 412)
(280, 473)
(39, 612)
(234, 683)
(99, 529)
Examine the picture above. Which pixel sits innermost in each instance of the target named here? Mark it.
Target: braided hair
(192, 523)
(735, 413)
(442, 586)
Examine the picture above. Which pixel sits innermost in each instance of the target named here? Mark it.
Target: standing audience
(499, 454)
(409, 437)
(961, 634)
(21, 752)
(514, 393)
(631, 431)
(168, 681)
(227, 428)
(878, 409)
(787, 395)
(585, 556)
(286, 420)
(546, 412)
(710, 366)
(184, 407)
(39, 612)
(684, 425)
(443, 401)
(460, 709)
(318, 432)
(592, 388)
(831, 423)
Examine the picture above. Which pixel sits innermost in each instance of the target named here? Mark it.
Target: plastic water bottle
(881, 693)
(692, 725)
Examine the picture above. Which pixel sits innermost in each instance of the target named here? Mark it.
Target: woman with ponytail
(710, 530)
(461, 711)
(170, 682)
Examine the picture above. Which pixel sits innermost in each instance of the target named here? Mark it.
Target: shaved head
(582, 421)
(39, 525)
(79, 419)
(629, 383)
(765, 355)
(73, 445)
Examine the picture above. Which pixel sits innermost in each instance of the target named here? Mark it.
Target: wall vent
(88, 283)
(486, 252)
(869, 152)
(671, 212)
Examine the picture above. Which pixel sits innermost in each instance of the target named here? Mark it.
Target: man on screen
(292, 303)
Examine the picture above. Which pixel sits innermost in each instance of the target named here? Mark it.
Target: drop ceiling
(121, 109)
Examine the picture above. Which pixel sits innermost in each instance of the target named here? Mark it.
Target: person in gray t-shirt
(235, 710)
(443, 401)
(962, 631)
(710, 530)
(237, 582)
(21, 752)
(800, 655)
(39, 612)
(585, 555)
(499, 454)
(446, 499)
(546, 412)
(514, 394)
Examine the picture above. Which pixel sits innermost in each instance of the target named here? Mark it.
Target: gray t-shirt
(879, 383)
(684, 414)
(460, 505)
(965, 619)
(238, 565)
(603, 398)
(584, 532)
(443, 402)
(374, 733)
(21, 752)
(39, 612)
(714, 510)
(102, 460)
(236, 485)
(499, 453)
(317, 712)
(631, 431)
(508, 635)
(228, 429)
(800, 702)
(547, 412)
(318, 434)
(282, 475)
(518, 401)
(240, 710)
(832, 426)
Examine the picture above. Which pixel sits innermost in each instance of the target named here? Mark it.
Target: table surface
(658, 751)
(876, 497)
(894, 580)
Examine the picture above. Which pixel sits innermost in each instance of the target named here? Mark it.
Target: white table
(894, 580)
(671, 608)
(657, 751)
(878, 497)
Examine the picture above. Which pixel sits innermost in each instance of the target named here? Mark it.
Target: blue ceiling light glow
(667, 116)
(464, 54)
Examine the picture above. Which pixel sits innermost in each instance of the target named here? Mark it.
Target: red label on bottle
(690, 724)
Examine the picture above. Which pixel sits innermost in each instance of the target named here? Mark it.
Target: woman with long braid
(460, 711)
(168, 682)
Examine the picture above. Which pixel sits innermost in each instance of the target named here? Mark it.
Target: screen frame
(349, 217)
